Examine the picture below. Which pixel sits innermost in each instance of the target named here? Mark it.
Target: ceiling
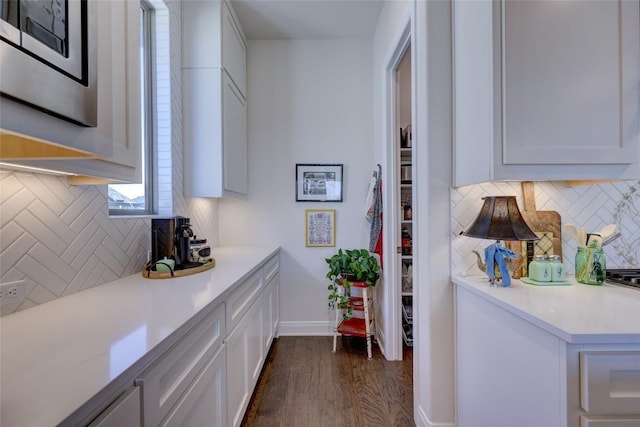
(308, 19)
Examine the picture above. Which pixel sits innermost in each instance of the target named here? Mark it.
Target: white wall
(433, 357)
(309, 101)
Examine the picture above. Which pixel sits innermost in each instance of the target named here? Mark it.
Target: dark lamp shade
(500, 219)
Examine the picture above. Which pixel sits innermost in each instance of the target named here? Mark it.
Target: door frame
(392, 327)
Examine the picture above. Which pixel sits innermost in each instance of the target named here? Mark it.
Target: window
(137, 199)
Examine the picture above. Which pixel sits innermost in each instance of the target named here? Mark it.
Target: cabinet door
(255, 351)
(125, 411)
(570, 93)
(200, 34)
(214, 135)
(275, 308)
(244, 362)
(234, 129)
(270, 314)
(234, 51)
(205, 402)
(125, 66)
(237, 373)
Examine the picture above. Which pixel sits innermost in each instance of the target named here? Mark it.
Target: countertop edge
(474, 284)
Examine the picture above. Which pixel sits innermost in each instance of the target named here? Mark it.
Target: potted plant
(346, 267)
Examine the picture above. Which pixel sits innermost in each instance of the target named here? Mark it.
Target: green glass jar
(540, 269)
(593, 270)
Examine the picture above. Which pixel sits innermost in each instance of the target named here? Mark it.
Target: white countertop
(56, 356)
(576, 313)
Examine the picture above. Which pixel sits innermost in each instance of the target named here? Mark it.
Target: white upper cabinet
(111, 150)
(213, 38)
(234, 50)
(546, 90)
(214, 101)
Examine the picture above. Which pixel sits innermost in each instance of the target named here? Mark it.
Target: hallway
(304, 384)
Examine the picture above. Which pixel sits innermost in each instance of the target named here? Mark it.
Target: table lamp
(499, 219)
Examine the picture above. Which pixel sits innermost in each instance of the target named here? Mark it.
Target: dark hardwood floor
(304, 384)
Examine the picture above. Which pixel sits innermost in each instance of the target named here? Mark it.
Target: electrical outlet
(12, 292)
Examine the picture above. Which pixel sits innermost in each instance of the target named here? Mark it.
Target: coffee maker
(183, 235)
(170, 238)
(163, 231)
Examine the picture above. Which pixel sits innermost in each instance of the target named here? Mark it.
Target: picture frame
(320, 227)
(319, 182)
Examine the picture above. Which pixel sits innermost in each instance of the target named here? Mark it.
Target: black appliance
(163, 231)
(624, 276)
(183, 235)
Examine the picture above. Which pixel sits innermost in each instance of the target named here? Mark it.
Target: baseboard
(305, 328)
(380, 340)
(422, 420)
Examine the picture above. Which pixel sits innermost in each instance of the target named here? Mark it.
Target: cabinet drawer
(609, 422)
(241, 299)
(167, 379)
(610, 382)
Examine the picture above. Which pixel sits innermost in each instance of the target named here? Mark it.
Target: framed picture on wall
(320, 227)
(318, 183)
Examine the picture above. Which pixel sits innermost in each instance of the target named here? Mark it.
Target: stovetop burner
(624, 276)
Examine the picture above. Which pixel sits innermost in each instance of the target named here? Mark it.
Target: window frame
(149, 113)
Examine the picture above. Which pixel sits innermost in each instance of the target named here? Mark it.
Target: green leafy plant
(345, 267)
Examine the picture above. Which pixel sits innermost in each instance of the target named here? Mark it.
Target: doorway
(399, 210)
(403, 145)
(404, 171)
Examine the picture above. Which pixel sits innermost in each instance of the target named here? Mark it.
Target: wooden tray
(178, 273)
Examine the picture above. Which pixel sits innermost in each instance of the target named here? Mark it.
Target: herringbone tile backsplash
(589, 206)
(60, 239)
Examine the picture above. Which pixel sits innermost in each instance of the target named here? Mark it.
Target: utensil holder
(592, 270)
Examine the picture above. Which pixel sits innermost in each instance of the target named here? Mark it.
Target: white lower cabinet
(206, 376)
(204, 403)
(125, 411)
(165, 381)
(247, 348)
(512, 373)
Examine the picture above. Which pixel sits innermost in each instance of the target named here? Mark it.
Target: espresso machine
(163, 232)
(170, 238)
(183, 235)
